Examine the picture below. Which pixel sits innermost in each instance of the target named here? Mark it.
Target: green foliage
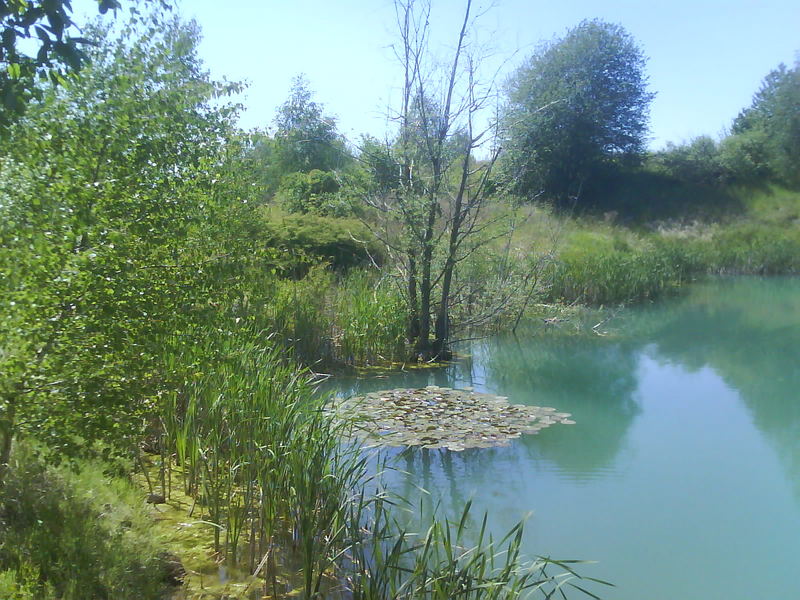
(597, 270)
(326, 193)
(381, 164)
(58, 54)
(697, 162)
(574, 105)
(306, 138)
(744, 158)
(772, 123)
(299, 315)
(74, 536)
(371, 319)
(650, 194)
(740, 159)
(106, 235)
(756, 249)
(762, 147)
(356, 320)
(343, 243)
(266, 463)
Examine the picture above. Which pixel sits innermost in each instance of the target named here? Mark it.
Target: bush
(697, 162)
(343, 243)
(74, 536)
(324, 193)
(307, 192)
(744, 157)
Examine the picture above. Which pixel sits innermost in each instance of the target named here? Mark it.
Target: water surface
(681, 477)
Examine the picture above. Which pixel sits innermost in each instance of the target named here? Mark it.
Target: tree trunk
(7, 426)
(423, 346)
(413, 307)
(443, 318)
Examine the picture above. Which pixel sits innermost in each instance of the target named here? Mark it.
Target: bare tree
(434, 217)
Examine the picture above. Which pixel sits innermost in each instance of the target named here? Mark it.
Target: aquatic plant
(437, 417)
(441, 559)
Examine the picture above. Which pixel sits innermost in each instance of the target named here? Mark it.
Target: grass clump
(610, 270)
(755, 248)
(371, 320)
(74, 535)
(357, 318)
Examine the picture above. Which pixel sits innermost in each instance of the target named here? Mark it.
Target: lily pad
(437, 417)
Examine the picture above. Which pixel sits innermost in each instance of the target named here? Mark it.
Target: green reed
(370, 320)
(446, 560)
(252, 442)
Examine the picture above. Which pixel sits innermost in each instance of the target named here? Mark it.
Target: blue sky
(706, 57)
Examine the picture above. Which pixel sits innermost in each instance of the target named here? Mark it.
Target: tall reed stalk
(269, 467)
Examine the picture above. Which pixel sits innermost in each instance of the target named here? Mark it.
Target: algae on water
(437, 417)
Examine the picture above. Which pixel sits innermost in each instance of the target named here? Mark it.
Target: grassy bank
(598, 261)
(339, 319)
(72, 534)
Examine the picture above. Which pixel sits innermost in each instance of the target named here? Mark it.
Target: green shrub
(307, 192)
(23, 585)
(74, 535)
(696, 162)
(323, 193)
(343, 243)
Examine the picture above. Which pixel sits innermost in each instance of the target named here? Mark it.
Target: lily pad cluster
(437, 417)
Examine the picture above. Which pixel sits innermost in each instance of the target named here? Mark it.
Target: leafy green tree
(774, 119)
(49, 23)
(306, 138)
(379, 163)
(745, 157)
(696, 162)
(108, 237)
(574, 105)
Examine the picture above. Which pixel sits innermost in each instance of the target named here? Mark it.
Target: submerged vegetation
(172, 288)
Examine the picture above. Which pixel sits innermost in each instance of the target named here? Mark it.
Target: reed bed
(251, 442)
(331, 320)
(371, 320)
(618, 271)
(247, 436)
(441, 559)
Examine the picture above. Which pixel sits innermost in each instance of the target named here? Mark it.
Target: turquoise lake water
(681, 477)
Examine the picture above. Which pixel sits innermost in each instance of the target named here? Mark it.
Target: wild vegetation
(171, 286)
